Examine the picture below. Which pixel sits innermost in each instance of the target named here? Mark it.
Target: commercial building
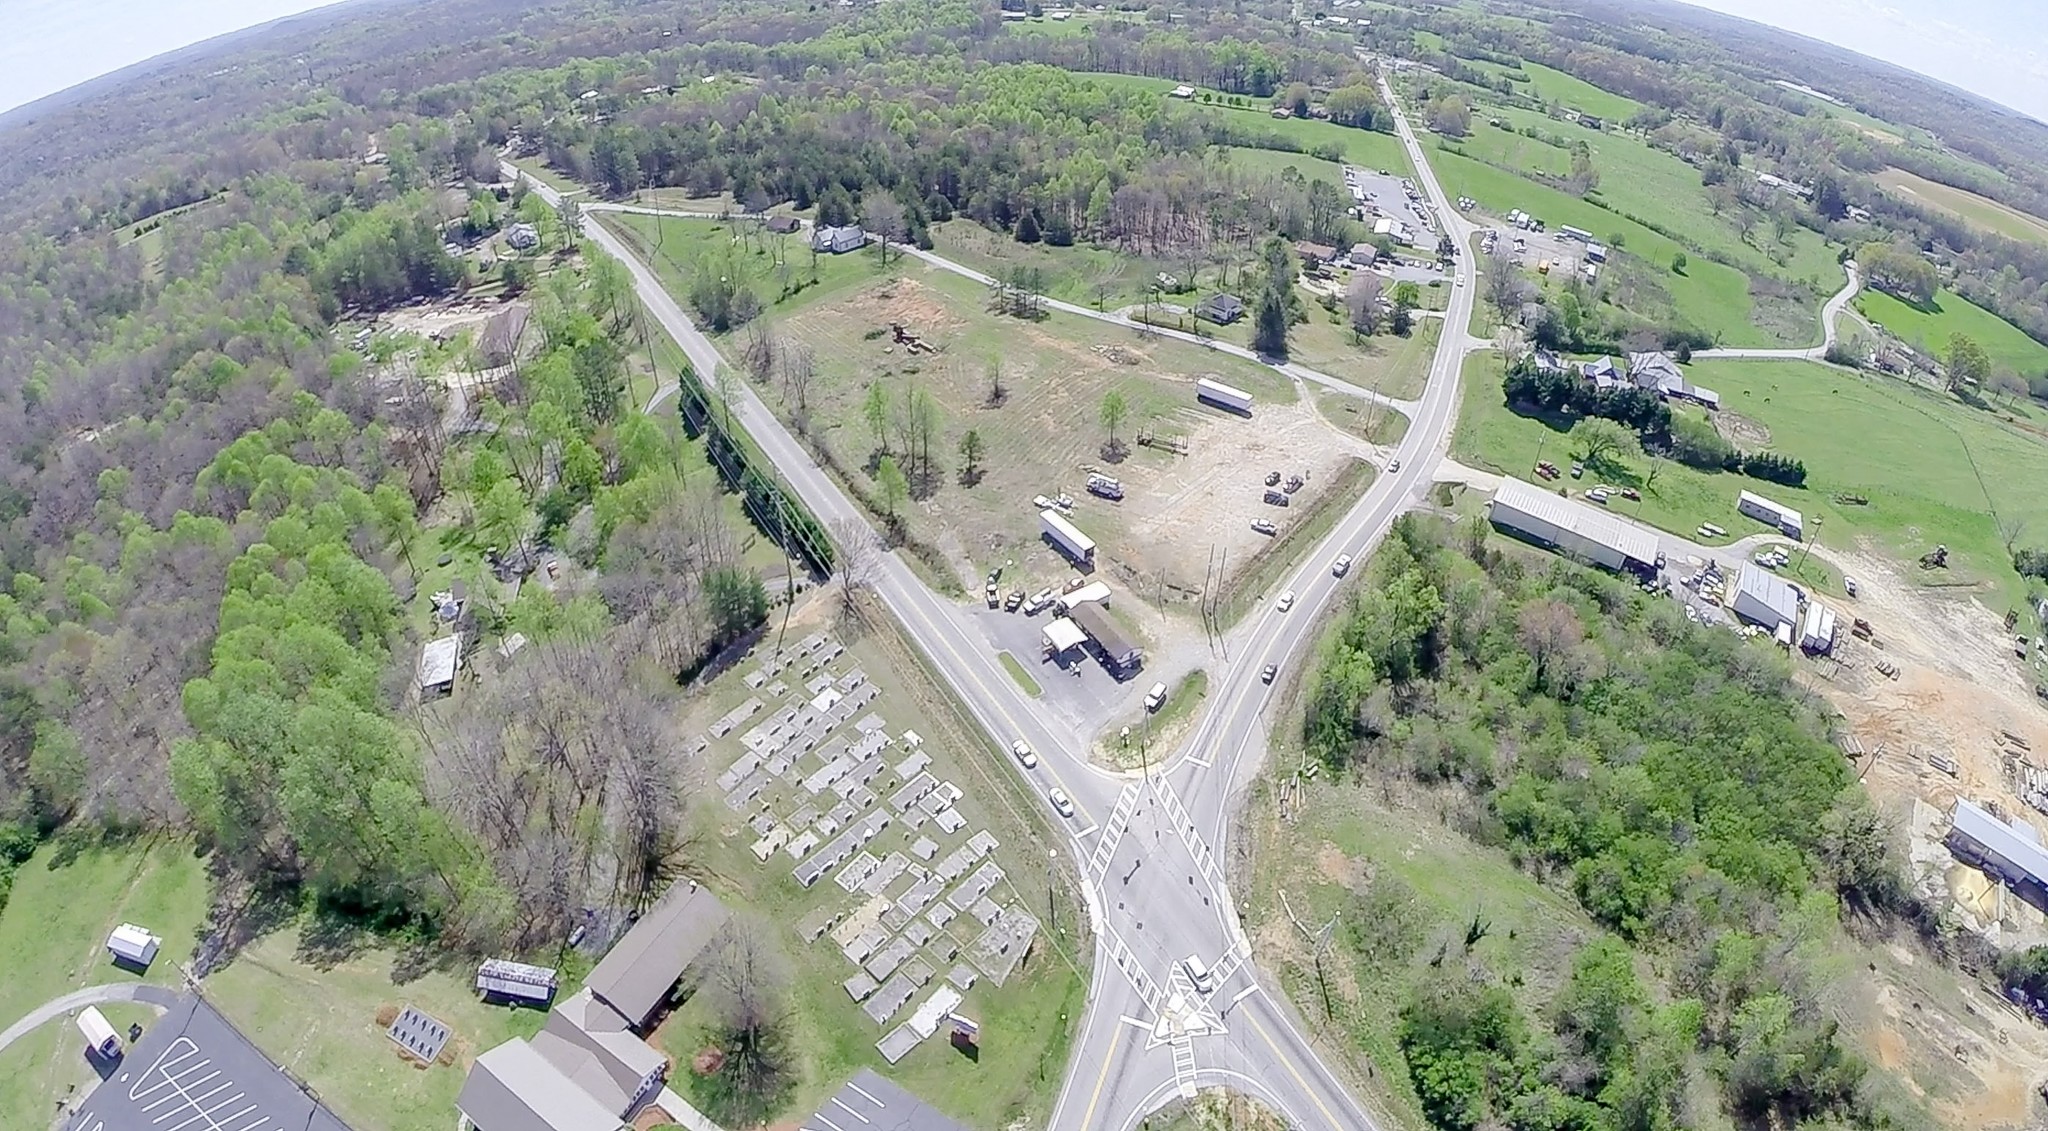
(1572, 528)
(2011, 852)
(1764, 599)
(1787, 521)
(1119, 653)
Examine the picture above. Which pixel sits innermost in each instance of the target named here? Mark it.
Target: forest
(1671, 778)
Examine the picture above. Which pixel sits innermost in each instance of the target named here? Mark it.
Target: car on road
(1393, 465)
(1198, 973)
(1341, 566)
(1286, 600)
(1026, 757)
(1061, 803)
(1267, 673)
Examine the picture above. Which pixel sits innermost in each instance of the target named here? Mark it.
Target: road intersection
(1151, 852)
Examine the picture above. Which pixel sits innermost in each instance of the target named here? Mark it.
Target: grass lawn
(1019, 673)
(1980, 211)
(1274, 162)
(1360, 147)
(322, 1022)
(1376, 424)
(1016, 1077)
(1928, 328)
(1570, 92)
(1711, 295)
(544, 173)
(782, 271)
(1931, 467)
(53, 935)
(1385, 363)
(1096, 277)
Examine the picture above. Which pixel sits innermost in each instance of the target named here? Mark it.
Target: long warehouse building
(1573, 528)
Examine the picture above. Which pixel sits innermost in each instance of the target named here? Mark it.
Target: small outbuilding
(1788, 522)
(100, 1039)
(783, 225)
(134, 946)
(505, 980)
(438, 661)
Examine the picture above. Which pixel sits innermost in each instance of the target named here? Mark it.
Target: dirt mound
(1741, 430)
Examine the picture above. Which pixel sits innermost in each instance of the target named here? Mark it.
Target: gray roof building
(636, 974)
(1763, 598)
(2013, 851)
(1116, 647)
(836, 240)
(1577, 529)
(514, 1088)
(594, 1047)
(499, 343)
(1658, 373)
(1220, 308)
(869, 1102)
(1604, 374)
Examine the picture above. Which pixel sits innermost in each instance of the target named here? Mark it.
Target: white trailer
(1788, 521)
(1225, 396)
(1067, 536)
(100, 1039)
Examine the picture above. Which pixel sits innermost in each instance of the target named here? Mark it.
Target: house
(499, 343)
(594, 1047)
(1772, 180)
(1364, 255)
(1656, 372)
(838, 239)
(1314, 254)
(783, 225)
(1547, 361)
(1221, 309)
(522, 237)
(635, 975)
(1181, 91)
(1604, 374)
(438, 660)
(514, 1088)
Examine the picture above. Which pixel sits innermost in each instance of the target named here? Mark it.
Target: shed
(1060, 635)
(1771, 513)
(1364, 255)
(1573, 528)
(783, 225)
(507, 980)
(100, 1038)
(1765, 599)
(131, 945)
(438, 660)
(634, 977)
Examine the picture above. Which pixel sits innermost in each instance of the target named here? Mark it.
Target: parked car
(1061, 803)
(1262, 526)
(1286, 600)
(1849, 584)
(1155, 698)
(1014, 601)
(1026, 757)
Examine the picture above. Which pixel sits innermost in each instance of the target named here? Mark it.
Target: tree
(894, 486)
(1114, 408)
(1269, 324)
(1601, 441)
(1027, 227)
(970, 458)
(737, 600)
(1356, 104)
(1548, 629)
(1505, 290)
(2008, 384)
(1362, 303)
(1679, 263)
(1450, 116)
(876, 410)
(997, 394)
(1294, 99)
(858, 558)
(882, 214)
(748, 982)
(1967, 362)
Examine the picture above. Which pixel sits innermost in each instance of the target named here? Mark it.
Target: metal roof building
(2012, 852)
(1117, 649)
(1061, 634)
(514, 1088)
(1777, 514)
(637, 972)
(438, 660)
(1574, 528)
(1764, 598)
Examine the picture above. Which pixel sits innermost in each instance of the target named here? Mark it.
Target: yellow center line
(1116, 1033)
(1288, 1061)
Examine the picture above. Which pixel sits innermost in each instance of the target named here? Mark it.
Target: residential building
(1604, 374)
(1547, 361)
(522, 237)
(1314, 254)
(1364, 255)
(1657, 372)
(1764, 599)
(836, 240)
(1572, 528)
(783, 225)
(1221, 309)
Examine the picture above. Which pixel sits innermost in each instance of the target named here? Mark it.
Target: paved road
(79, 999)
(1830, 317)
(1150, 851)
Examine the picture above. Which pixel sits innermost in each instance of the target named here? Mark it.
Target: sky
(1995, 48)
(53, 44)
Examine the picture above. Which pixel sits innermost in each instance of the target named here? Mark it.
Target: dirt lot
(1047, 433)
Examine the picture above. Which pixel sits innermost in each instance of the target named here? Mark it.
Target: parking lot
(192, 1071)
(1383, 194)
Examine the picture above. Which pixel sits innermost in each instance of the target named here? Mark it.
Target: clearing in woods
(1979, 211)
(1047, 432)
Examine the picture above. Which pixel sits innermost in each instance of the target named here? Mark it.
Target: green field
(1274, 162)
(53, 936)
(782, 270)
(1931, 467)
(1980, 211)
(1928, 329)
(1360, 147)
(1571, 93)
(1711, 295)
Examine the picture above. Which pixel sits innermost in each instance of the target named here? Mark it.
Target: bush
(1774, 468)
(1696, 443)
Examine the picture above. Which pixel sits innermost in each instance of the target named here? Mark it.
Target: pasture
(1980, 212)
(1928, 329)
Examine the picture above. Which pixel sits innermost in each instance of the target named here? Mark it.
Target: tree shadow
(1558, 422)
(330, 938)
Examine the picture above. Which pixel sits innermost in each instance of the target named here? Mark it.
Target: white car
(1198, 975)
(1025, 756)
(1155, 698)
(1061, 804)
(1341, 566)
(1393, 465)
(1286, 600)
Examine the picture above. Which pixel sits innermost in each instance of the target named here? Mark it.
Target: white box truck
(1067, 537)
(1222, 395)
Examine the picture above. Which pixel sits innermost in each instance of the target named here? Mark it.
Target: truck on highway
(1223, 396)
(1067, 537)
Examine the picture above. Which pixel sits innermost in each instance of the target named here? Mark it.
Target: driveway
(78, 999)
